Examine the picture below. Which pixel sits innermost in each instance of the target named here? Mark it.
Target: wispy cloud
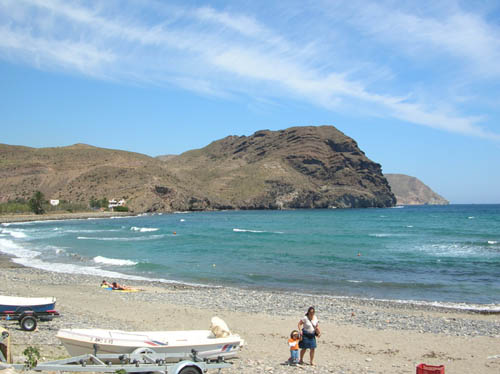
(226, 54)
(45, 53)
(427, 30)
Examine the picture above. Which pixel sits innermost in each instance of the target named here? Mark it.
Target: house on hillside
(54, 202)
(114, 203)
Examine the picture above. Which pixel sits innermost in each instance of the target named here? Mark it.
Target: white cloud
(44, 53)
(242, 24)
(464, 36)
(223, 54)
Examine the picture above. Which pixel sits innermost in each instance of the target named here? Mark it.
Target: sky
(415, 83)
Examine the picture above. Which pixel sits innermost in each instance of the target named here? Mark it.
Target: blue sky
(416, 83)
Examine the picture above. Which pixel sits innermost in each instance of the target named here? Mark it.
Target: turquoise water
(443, 253)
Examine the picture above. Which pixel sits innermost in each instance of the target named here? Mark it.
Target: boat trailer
(28, 318)
(145, 361)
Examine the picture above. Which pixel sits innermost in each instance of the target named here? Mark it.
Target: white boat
(204, 342)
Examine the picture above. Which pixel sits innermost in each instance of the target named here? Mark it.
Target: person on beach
(117, 286)
(309, 325)
(293, 343)
(105, 284)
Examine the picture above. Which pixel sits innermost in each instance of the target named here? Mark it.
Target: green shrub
(36, 203)
(32, 356)
(12, 207)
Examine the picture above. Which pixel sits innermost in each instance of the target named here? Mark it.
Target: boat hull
(169, 343)
(35, 304)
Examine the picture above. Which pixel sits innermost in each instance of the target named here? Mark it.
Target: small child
(293, 343)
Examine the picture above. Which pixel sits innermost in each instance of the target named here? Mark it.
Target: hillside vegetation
(80, 173)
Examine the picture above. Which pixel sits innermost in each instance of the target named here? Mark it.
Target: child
(293, 343)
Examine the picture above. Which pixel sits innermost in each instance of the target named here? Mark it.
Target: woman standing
(309, 325)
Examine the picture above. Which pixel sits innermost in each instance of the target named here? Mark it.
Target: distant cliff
(300, 167)
(411, 191)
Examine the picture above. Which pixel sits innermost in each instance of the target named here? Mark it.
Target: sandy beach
(358, 336)
(9, 218)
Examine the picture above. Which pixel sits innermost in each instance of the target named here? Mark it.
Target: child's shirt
(294, 344)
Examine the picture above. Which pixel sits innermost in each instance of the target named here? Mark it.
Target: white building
(113, 203)
(54, 202)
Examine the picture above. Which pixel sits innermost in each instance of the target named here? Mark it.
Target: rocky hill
(301, 167)
(80, 172)
(411, 191)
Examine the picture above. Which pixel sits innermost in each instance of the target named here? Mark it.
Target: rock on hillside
(411, 191)
(300, 167)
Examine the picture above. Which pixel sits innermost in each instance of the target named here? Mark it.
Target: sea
(446, 255)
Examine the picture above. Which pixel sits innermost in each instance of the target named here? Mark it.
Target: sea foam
(15, 234)
(150, 237)
(113, 261)
(143, 229)
(257, 231)
(381, 235)
(9, 247)
(243, 230)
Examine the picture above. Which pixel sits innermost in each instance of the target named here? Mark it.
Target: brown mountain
(80, 172)
(411, 191)
(300, 167)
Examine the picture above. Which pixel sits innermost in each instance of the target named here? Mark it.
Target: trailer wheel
(28, 323)
(190, 370)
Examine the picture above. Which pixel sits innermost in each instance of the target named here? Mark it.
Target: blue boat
(28, 311)
(34, 304)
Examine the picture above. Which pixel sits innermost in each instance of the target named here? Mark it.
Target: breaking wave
(14, 233)
(143, 229)
(257, 231)
(113, 261)
(150, 237)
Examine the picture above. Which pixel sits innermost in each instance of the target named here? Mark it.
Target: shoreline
(7, 261)
(357, 336)
(21, 218)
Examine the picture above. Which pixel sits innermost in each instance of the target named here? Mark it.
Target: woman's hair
(293, 332)
(309, 310)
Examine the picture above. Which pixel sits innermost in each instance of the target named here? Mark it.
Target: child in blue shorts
(293, 343)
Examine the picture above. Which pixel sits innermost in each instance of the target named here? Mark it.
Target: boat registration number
(102, 340)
